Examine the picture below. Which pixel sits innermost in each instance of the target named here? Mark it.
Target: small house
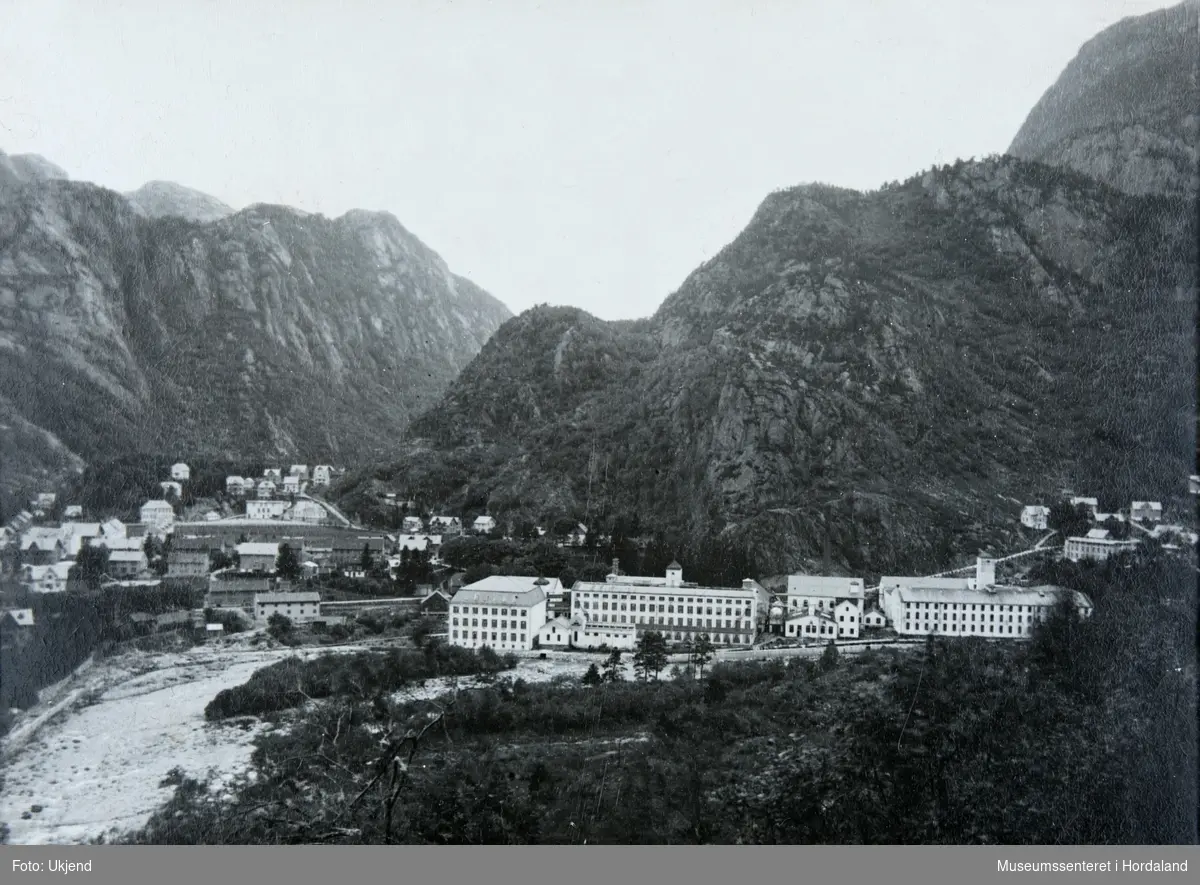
(1146, 511)
(181, 472)
(298, 607)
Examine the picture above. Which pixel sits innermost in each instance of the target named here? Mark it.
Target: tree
(1068, 521)
(829, 657)
(287, 563)
(702, 653)
(613, 670)
(90, 564)
(366, 560)
(592, 676)
(279, 626)
(651, 655)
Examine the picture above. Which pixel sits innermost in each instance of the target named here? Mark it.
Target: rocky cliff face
(929, 355)
(1127, 109)
(264, 333)
(166, 199)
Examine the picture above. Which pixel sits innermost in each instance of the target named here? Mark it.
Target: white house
(181, 472)
(809, 623)
(1034, 516)
(1096, 545)
(306, 510)
(841, 598)
(1146, 511)
(447, 524)
(322, 475)
(996, 612)
(412, 525)
(555, 633)
(73, 511)
(591, 636)
(483, 525)
(76, 534)
(1102, 518)
(292, 484)
(265, 509)
(874, 618)
(504, 612)
(158, 516)
(46, 578)
(680, 610)
(300, 471)
(171, 487)
(265, 489)
(577, 537)
(113, 528)
(1092, 504)
(302, 607)
(126, 563)
(257, 557)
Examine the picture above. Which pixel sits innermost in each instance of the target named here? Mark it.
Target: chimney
(616, 566)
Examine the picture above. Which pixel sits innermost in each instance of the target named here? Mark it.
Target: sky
(582, 153)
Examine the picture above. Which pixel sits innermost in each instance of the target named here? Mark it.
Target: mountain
(930, 355)
(1127, 108)
(266, 333)
(160, 199)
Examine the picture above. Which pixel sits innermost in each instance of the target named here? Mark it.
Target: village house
(348, 551)
(257, 557)
(190, 557)
(236, 485)
(503, 612)
(1034, 516)
(483, 525)
(274, 474)
(1174, 533)
(299, 607)
(73, 511)
(322, 475)
(306, 510)
(874, 618)
(811, 623)
(1097, 544)
(16, 628)
(158, 516)
(1145, 511)
(121, 543)
(1194, 485)
(1090, 504)
(112, 528)
(412, 525)
(228, 589)
(76, 534)
(1102, 518)
(171, 488)
(436, 602)
(265, 489)
(292, 485)
(300, 471)
(265, 509)
(42, 546)
(47, 578)
(181, 472)
(43, 502)
(448, 525)
(840, 598)
(679, 609)
(126, 563)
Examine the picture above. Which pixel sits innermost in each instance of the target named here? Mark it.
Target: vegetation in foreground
(963, 742)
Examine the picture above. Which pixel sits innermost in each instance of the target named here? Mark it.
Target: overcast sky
(585, 153)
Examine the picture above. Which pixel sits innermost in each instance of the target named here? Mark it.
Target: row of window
(667, 621)
(953, 616)
(670, 600)
(493, 611)
(991, 628)
(963, 606)
(476, 636)
(501, 623)
(667, 607)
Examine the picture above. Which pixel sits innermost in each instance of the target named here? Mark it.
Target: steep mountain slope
(931, 354)
(159, 199)
(267, 333)
(1127, 109)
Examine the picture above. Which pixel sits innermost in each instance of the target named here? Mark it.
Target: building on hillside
(51, 578)
(1097, 544)
(995, 612)
(170, 487)
(412, 525)
(1194, 485)
(228, 589)
(191, 557)
(73, 511)
(308, 511)
(137, 530)
(1090, 504)
(77, 534)
(43, 502)
(181, 472)
(157, 516)
(41, 546)
(257, 557)
(112, 528)
(1034, 516)
(273, 474)
(265, 508)
(680, 610)
(348, 551)
(1172, 533)
(322, 475)
(300, 471)
(416, 543)
(590, 636)
(874, 618)
(16, 629)
(1102, 518)
(1146, 511)
(121, 543)
(292, 485)
(265, 489)
(436, 603)
(126, 563)
(555, 633)
(301, 607)
(236, 485)
(840, 598)
(483, 525)
(503, 612)
(447, 525)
